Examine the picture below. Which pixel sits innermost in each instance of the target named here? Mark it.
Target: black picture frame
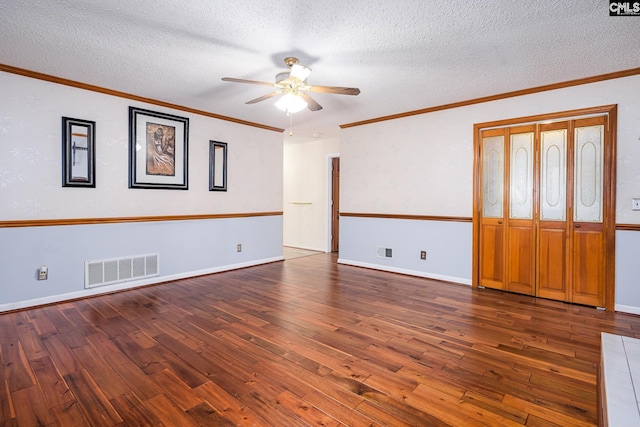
(217, 166)
(158, 150)
(78, 153)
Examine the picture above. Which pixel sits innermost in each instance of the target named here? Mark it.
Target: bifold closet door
(553, 227)
(571, 232)
(492, 228)
(520, 206)
(507, 235)
(588, 234)
(542, 228)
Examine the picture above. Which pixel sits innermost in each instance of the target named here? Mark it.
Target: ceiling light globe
(290, 103)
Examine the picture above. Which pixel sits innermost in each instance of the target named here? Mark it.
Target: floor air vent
(110, 271)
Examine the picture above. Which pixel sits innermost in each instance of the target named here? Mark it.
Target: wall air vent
(110, 271)
(384, 252)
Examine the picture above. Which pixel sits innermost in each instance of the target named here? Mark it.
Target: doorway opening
(334, 204)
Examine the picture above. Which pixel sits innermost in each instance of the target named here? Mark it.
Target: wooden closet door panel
(588, 266)
(552, 264)
(492, 256)
(520, 258)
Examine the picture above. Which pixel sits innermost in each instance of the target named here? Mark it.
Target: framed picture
(158, 150)
(78, 153)
(217, 166)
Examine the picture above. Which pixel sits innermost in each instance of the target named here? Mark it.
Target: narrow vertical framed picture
(78, 153)
(217, 166)
(158, 150)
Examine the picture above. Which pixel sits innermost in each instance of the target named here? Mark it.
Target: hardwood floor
(304, 342)
(290, 252)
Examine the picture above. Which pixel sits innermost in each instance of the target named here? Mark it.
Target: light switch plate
(635, 204)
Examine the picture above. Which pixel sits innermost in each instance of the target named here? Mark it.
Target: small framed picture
(78, 153)
(217, 166)
(158, 150)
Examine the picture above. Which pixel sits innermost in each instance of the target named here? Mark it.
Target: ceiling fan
(292, 84)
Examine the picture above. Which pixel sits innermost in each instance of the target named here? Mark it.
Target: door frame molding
(328, 197)
(611, 112)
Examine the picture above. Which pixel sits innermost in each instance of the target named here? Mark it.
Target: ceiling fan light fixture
(300, 72)
(282, 77)
(292, 84)
(291, 103)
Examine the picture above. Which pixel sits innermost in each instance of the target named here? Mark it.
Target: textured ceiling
(403, 55)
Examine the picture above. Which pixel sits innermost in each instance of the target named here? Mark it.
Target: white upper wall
(31, 159)
(423, 164)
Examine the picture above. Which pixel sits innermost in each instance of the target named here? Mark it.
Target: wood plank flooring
(304, 342)
(290, 252)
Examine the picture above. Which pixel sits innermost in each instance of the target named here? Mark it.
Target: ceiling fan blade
(254, 82)
(335, 89)
(263, 97)
(312, 104)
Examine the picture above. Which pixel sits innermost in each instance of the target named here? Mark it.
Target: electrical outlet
(43, 273)
(423, 255)
(635, 204)
(239, 247)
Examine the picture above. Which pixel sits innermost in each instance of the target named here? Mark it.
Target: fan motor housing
(282, 76)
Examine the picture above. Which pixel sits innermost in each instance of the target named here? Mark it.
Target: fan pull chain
(290, 124)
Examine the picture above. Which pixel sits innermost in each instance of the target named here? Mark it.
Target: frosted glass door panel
(521, 179)
(588, 173)
(492, 176)
(553, 175)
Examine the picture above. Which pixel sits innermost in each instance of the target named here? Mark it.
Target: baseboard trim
(129, 285)
(627, 309)
(452, 279)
